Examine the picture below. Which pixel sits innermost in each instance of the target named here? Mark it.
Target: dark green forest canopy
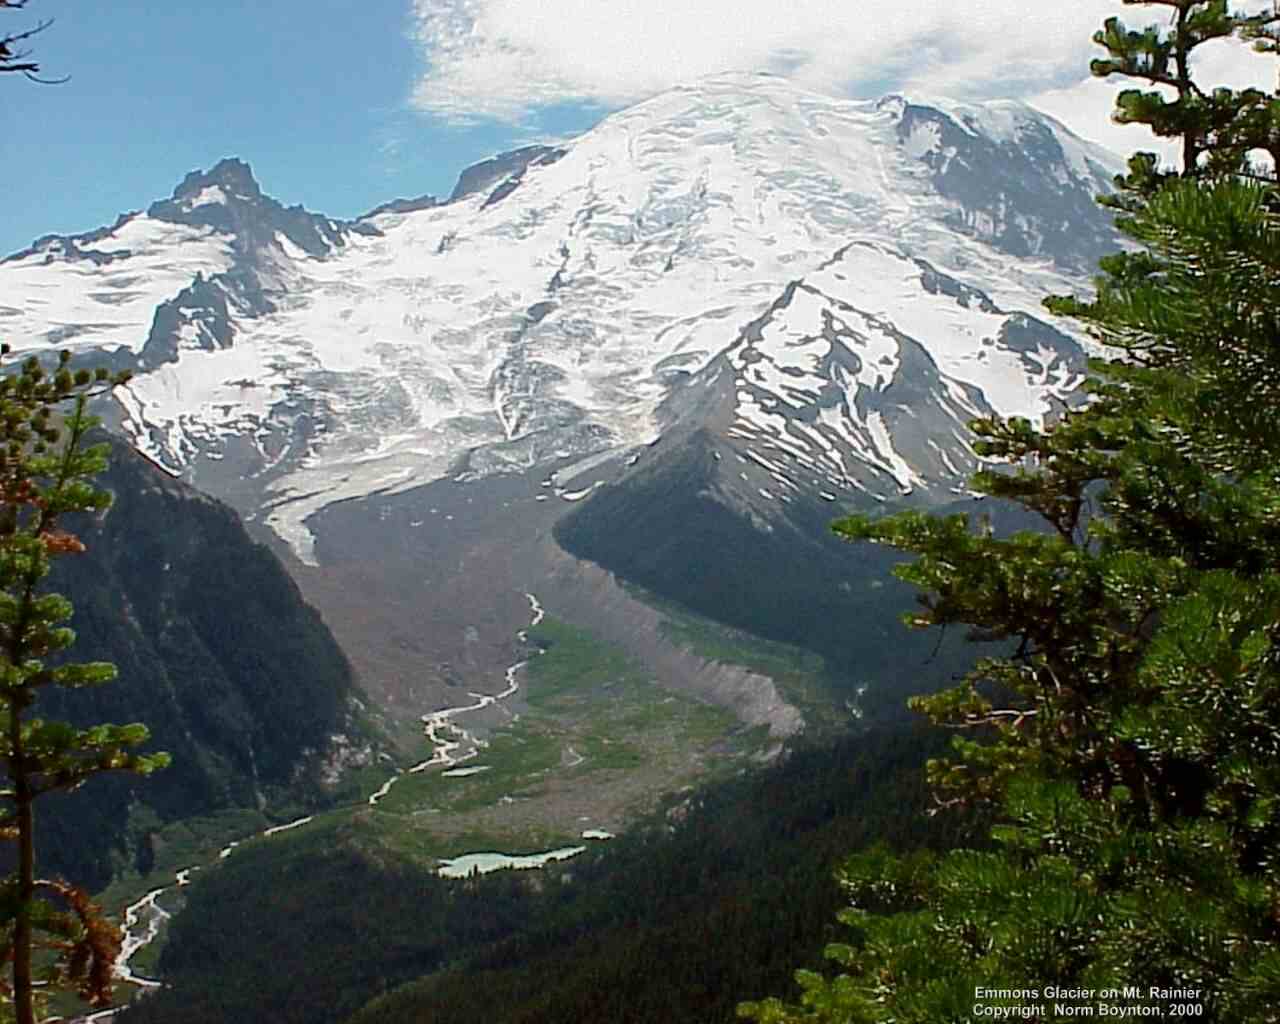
(1130, 746)
(220, 655)
(719, 893)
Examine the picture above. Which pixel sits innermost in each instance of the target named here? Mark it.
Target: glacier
(836, 286)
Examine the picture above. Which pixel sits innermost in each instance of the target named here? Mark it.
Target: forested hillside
(615, 473)
(235, 676)
(1127, 746)
(719, 893)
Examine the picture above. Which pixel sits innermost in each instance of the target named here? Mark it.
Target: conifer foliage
(45, 473)
(1130, 743)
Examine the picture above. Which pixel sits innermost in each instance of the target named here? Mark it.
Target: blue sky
(343, 105)
(314, 95)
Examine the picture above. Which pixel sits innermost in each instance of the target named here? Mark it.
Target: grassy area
(723, 643)
(598, 741)
(802, 676)
(574, 667)
(513, 759)
(180, 845)
(591, 711)
(616, 715)
(594, 718)
(603, 753)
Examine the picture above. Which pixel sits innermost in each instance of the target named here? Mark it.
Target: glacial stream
(450, 743)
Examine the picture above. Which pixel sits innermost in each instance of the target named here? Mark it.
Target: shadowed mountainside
(217, 653)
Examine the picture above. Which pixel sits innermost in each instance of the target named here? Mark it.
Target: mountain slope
(235, 676)
(792, 303)
(546, 306)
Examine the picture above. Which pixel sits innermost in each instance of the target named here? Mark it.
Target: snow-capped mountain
(836, 386)
(833, 287)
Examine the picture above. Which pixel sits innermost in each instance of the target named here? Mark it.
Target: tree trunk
(24, 1010)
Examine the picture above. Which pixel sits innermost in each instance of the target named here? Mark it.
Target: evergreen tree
(45, 469)
(1131, 741)
(1217, 130)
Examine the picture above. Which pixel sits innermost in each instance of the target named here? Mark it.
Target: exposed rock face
(554, 304)
(504, 171)
(422, 202)
(236, 677)
(1015, 180)
(591, 596)
(228, 199)
(708, 325)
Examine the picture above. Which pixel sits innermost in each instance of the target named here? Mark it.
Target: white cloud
(1085, 106)
(507, 59)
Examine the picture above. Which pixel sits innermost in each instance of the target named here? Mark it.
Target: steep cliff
(217, 653)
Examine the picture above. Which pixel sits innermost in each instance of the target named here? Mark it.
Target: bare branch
(986, 718)
(18, 59)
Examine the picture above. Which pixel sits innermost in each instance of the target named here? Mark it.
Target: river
(145, 917)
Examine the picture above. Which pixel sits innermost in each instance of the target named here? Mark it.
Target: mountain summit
(737, 294)
(230, 176)
(836, 254)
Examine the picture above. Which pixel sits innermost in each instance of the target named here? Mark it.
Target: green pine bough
(1129, 745)
(52, 934)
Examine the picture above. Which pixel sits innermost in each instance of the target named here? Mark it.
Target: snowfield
(552, 316)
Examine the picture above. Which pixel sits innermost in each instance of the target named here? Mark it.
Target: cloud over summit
(506, 60)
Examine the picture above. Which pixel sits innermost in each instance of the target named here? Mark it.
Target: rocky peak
(547, 312)
(502, 168)
(422, 202)
(228, 199)
(231, 175)
(1017, 179)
